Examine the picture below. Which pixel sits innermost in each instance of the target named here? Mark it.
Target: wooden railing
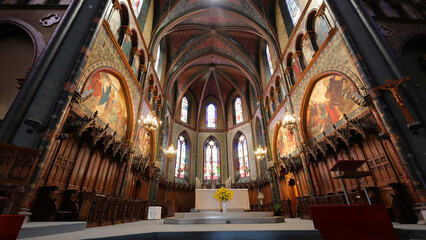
(111, 210)
(338, 199)
(17, 165)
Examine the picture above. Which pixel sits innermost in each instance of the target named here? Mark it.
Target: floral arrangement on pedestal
(224, 195)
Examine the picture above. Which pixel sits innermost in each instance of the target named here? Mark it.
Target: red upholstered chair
(10, 225)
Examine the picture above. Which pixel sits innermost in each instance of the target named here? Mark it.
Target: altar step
(38, 229)
(223, 218)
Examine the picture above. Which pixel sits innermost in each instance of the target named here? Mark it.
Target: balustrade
(337, 199)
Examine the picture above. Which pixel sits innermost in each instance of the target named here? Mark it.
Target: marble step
(202, 215)
(38, 229)
(224, 220)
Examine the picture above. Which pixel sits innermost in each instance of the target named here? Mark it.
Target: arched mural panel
(143, 141)
(108, 99)
(329, 100)
(286, 142)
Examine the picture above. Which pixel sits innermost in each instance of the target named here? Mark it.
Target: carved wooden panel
(63, 163)
(80, 166)
(92, 170)
(378, 162)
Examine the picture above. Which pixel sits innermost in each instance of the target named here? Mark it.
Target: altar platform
(223, 218)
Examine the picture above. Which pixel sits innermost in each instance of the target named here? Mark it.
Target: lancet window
(184, 110)
(211, 160)
(181, 157)
(238, 110)
(243, 160)
(211, 116)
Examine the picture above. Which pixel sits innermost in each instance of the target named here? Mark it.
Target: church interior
(110, 107)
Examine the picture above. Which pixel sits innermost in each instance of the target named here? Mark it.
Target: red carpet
(353, 222)
(10, 225)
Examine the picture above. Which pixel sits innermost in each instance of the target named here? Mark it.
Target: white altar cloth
(204, 200)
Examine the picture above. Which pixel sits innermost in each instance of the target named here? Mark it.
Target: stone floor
(149, 226)
(157, 226)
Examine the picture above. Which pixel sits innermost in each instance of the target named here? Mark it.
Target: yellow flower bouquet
(224, 194)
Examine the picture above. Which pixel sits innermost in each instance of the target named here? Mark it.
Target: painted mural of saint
(107, 97)
(330, 99)
(286, 142)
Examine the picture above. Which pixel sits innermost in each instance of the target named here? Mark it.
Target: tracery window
(243, 161)
(181, 157)
(184, 110)
(211, 160)
(294, 9)
(211, 115)
(268, 57)
(238, 110)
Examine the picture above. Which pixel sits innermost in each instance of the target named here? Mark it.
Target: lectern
(349, 168)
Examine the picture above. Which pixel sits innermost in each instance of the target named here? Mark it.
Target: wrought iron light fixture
(260, 152)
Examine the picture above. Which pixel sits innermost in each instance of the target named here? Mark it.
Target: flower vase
(224, 206)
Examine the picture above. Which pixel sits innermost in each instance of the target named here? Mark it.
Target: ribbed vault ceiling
(213, 46)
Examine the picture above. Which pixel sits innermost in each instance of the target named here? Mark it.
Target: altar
(204, 200)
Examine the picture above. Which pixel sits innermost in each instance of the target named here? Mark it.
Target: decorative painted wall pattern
(188, 6)
(201, 39)
(143, 13)
(193, 54)
(108, 99)
(333, 58)
(330, 99)
(105, 54)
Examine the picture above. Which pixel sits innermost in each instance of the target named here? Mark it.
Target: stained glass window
(211, 115)
(211, 161)
(180, 158)
(268, 56)
(184, 110)
(157, 59)
(294, 9)
(243, 161)
(238, 110)
(321, 28)
(137, 6)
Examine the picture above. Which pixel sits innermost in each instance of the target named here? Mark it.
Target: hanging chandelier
(260, 152)
(170, 152)
(150, 122)
(290, 121)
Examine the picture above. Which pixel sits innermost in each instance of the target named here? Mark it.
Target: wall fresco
(334, 57)
(104, 54)
(107, 97)
(286, 142)
(330, 99)
(142, 140)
